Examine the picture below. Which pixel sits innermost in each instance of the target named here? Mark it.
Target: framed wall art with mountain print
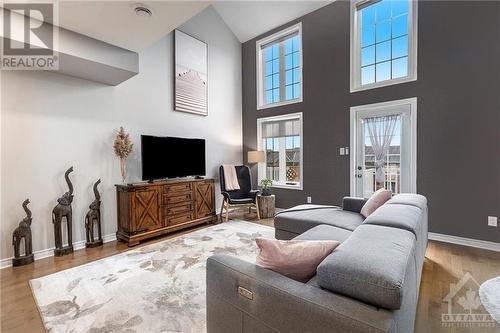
(191, 74)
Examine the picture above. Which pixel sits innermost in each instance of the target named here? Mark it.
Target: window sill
(267, 106)
(288, 187)
(383, 83)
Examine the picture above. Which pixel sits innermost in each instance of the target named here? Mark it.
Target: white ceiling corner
(249, 19)
(115, 22)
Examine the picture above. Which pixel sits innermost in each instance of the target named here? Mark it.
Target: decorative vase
(123, 168)
(265, 191)
(123, 147)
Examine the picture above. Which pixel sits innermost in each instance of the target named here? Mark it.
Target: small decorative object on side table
(266, 205)
(265, 187)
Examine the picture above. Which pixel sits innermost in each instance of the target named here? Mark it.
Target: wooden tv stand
(147, 210)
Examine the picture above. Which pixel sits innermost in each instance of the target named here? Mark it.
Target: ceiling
(115, 22)
(249, 19)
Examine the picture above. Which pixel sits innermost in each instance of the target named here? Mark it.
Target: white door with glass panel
(383, 147)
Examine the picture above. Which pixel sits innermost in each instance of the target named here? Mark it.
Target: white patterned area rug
(489, 293)
(155, 288)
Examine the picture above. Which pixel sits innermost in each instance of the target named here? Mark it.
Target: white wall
(51, 122)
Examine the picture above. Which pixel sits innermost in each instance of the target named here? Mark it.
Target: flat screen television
(169, 157)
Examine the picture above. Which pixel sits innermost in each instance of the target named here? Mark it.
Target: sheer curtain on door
(381, 131)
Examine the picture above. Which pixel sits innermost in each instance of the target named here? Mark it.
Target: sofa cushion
(370, 265)
(284, 235)
(411, 199)
(397, 216)
(299, 220)
(325, 232)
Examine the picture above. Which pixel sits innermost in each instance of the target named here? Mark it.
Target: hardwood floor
(444, 264)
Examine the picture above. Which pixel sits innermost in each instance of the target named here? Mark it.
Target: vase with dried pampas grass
(123, 147)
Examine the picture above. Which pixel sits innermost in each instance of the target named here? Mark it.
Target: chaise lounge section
(293, 222)
(370, 283)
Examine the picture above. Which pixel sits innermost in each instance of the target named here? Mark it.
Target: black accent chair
(244, 197)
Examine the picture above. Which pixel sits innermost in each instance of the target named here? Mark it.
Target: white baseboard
(4, 263)
(492, 246)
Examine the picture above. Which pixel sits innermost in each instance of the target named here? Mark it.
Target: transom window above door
(281, 139)
(279, 68)
(383, 43)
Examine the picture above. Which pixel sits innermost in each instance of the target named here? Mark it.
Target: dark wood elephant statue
(94, 217)
(23, 231)
(63, 210)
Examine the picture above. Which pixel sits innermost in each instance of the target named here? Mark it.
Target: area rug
(489, 293)
(155, 288)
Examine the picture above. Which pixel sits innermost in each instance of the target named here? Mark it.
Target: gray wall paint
(50, 122)
(458, 90)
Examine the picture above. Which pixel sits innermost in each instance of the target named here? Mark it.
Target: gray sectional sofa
(370, 283)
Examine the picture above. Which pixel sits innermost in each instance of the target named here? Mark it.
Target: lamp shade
(256, 156)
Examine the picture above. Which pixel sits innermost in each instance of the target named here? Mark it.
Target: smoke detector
(142, 10)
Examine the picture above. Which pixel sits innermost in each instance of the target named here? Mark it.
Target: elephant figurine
(94, 216)
(23, 231)
(63, 209)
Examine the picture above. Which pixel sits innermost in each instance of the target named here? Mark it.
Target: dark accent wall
(458, 91)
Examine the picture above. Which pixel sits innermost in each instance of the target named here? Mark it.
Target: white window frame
(356, 47)
(381, 109)
(261, 171)
(260, 79)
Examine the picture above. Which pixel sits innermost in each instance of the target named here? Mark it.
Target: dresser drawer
(178, 209)
(179, 219)
(173, 189)
(177, 199)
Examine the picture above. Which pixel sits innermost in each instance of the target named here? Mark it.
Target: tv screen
(168, 157)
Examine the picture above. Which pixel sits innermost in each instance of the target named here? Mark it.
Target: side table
(266, 205)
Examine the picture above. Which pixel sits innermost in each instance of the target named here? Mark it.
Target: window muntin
(281, 138)
(279, 68)
(292, 68)
(384, 44)
(384, 41)
(272, 73)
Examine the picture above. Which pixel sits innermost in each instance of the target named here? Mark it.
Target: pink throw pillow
(377, 199)
(297, 259)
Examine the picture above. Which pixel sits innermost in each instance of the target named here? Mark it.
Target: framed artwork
(191, 74)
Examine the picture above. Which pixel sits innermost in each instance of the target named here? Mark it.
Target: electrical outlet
(309, 199)
(347, 150)
(342, 151)
(492, 221)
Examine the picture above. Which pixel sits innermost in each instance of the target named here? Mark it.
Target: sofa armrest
(280, 304)
(353, 204)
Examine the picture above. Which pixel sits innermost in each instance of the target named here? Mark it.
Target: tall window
(279, 68)
(383, 43)
(281, 138)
